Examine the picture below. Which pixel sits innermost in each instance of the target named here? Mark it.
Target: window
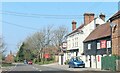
(77, 42)
(108, 44)
(73, 42)
(89, 46)
(98, 45)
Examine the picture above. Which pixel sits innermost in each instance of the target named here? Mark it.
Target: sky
(22, 19)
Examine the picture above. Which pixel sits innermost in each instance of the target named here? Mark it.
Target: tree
(44, 39)
(59, 36)
(2, 46)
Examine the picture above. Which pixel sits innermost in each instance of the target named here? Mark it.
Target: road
(24, 68)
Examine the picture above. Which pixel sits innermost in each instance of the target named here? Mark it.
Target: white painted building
(77, 36)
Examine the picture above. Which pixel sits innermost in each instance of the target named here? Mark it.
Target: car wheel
(84, 66)
(69, 67)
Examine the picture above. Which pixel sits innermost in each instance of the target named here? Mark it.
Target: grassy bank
(7, 64)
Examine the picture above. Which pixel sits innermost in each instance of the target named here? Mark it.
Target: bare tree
(59, 36)
(2, 46)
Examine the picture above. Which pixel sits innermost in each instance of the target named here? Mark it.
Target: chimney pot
(74, 25)
(102, 16)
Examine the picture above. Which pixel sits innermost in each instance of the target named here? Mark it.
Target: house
(63, 54)
(115, 22)
(77, 36)
(97, 44)
(50, 52)
(9, 58)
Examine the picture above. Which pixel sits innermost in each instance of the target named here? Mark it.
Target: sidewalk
(66, 67)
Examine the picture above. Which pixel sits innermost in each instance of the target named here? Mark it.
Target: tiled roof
(76, 30)
(100, 32)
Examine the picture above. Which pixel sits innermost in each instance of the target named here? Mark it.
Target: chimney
(102, 16)
(74, 25)
(88, 17)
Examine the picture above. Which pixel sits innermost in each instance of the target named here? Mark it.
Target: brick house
(115, 20)
(9, 58)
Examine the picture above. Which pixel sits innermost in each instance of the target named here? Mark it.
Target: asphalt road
(24, 68)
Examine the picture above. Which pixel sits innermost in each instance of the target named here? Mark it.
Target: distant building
(9, 58)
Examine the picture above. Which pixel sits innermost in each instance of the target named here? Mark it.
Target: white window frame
(98, 45)
(108, 44)
(89, 46)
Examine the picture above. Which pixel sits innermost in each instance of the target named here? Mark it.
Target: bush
(66, 62)
(35, 60)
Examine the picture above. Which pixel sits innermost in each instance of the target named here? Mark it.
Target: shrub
(66, 62)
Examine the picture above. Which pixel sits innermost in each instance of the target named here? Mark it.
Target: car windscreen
(76, 59)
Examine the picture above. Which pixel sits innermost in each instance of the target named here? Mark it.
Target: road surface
(24, 68)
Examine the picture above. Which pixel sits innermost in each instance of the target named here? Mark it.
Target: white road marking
(36, 68)
(13, 67)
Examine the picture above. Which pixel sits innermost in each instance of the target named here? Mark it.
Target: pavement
(66, 67)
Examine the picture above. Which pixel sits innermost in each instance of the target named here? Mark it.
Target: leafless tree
(2, 46)
(59, 36)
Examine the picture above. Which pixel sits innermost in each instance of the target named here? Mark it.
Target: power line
(42, 15)
(45, 15)
(19, 25)
(36, 14)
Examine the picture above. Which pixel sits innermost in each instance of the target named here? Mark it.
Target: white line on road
(13, 67)
(36, 68)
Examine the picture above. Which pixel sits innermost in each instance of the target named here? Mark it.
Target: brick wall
(116, 38)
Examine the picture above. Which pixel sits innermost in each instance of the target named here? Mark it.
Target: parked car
(76, 62)
(25, 61)
(30, 62)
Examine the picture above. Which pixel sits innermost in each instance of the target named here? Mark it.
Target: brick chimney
(88, 17)
(102, 16)
(74, 25)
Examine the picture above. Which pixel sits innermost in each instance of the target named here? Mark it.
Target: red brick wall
(88, 17)
(116, 38)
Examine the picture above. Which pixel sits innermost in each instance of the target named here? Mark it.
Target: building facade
(104, 40)
(98, 44)
(115, 22)
(77, 36)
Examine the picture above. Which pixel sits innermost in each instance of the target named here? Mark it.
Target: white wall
(99, 62)
(87, 61)
(59, 60)
(93, 62)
